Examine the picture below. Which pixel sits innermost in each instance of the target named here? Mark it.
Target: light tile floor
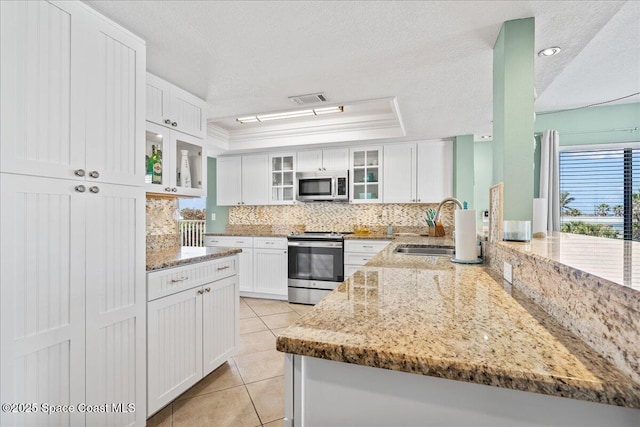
(248, 390)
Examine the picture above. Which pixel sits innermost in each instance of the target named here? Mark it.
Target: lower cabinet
(189, 334)
(263, 264)
(358, 252)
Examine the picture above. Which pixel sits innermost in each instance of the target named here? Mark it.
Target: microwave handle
(334, 185)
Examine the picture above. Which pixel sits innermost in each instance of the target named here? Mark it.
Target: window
(600, 191)
(193, 213)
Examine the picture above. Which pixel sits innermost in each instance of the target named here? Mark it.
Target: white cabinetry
(174, 108)
(68, 107)
(174, 146)
(245, 258)
(283, 174)
(323, 160)
(264, 267)
(418, 173)
(358, 252)
(270, 267)
(366, 174)
(243, 180)
(72, 250)
(191, 331)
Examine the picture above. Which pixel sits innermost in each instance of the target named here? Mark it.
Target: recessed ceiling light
(485, 137)
(550, 51)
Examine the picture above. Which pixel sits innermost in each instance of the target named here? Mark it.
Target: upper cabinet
(69, 105)
(283, 175)
(172, 107)
(323, 160)
(418, 173)
(242, 180)
(366, 174)
(175, 163)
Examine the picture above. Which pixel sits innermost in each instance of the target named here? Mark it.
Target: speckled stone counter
(173, 257)
(459, 322)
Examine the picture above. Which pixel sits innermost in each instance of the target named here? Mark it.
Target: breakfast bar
(384, 347)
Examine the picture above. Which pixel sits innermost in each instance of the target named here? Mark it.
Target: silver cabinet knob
(174, 124)
(418, 199)
(94, 174)
(78, 172)
(94, 189)
(174, 189)
(167, 189)
(200, 292)
(207, 289)
(80, 188)
(167, 122)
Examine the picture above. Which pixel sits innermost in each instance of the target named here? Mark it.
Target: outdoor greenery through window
(600, 192)
(193, 213)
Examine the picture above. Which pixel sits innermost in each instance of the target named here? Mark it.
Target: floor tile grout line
(254, 405)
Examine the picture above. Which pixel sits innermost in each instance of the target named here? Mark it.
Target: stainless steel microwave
(325, 185)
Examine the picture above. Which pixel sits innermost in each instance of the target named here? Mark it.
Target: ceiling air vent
(311, 98)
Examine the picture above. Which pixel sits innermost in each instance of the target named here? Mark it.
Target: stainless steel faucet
(447, 200)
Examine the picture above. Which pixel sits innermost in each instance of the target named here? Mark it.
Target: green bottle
(156, 177)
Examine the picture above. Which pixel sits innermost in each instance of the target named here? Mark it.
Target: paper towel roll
(465, 222)
(539, 225)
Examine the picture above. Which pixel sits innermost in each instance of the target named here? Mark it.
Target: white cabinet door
(282, 175)
(174, 108)
(229, 180)
(366, 174)
(174, 346)
(115, 68)
(43, 88)
(308, 161)
(42, 314)
(220, 326)
(435, 171)
(115, 302)
(183, 145)
(399, 178)
(245, 258)
(255, 179)
(336, 159)
(270, 271)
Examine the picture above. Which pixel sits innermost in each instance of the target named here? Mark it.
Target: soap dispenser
(390, 230)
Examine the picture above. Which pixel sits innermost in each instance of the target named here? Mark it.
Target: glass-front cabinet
(366, 174)
(175, 163)
(283, 174)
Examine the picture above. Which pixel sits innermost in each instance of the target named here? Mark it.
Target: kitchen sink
(425, 250)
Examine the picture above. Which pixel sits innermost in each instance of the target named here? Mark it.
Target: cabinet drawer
(229, 241)
(172, 280)
(269, 243)
(365, 246)
(357, 258)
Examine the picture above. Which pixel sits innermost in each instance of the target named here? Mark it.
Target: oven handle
(316, 244)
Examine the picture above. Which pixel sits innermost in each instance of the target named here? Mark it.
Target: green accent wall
(513, 80)
(222, 212)
(463, 175)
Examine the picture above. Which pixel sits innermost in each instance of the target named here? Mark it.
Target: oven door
(316, 260)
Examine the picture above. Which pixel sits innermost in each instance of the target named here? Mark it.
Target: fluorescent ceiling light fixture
(550, 51)
(290, 114)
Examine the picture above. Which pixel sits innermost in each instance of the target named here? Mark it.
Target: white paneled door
(42, 335)
(115, 301)
(270, 271)
(220, 329)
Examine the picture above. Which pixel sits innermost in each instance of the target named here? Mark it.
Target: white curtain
(550, 177)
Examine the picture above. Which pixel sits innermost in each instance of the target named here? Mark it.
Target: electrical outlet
(508, 272)
(213, 217)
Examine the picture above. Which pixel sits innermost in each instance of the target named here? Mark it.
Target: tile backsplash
(162, 229)
(323, 216)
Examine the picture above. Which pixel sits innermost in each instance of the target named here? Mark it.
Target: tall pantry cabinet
(72, 255)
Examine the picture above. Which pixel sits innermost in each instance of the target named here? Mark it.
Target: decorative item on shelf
(156, 165)
(185, 170)
(370, 177)
(366, 196)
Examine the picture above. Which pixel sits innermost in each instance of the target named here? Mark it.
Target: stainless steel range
(316, 265)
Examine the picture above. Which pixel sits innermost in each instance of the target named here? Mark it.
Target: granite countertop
(609, 259)
(459, 322)
(182, 255)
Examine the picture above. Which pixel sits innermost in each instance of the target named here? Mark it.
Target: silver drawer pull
(207, 289)
(368, 247)
(222, 268)
(269, 243)
(366, 259)
(182, 279)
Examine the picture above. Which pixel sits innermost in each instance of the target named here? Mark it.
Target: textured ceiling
(434, 56)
